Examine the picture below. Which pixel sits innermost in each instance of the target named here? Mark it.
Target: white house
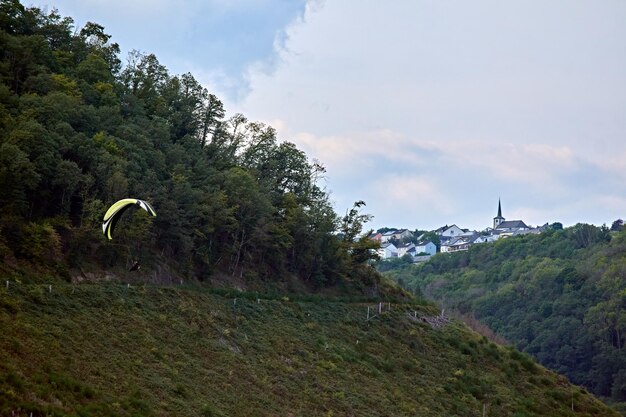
(486, 239)
(426, 247)
(387, 250)
(402, 234)
(405, 248)
(450, 231)
(456, 244)
(397, 234)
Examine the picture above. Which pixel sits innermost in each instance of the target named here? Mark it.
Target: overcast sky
(429, 111)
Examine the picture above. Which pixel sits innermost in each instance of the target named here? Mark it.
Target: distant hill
(110, 350)
(560, 296)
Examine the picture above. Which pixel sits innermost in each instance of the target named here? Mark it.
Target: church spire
(498, 219)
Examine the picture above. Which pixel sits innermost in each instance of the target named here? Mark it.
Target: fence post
(7, 284)
(380, 307)
(50, 289)
(368, 313)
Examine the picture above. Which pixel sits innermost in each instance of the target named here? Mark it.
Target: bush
(40, 243)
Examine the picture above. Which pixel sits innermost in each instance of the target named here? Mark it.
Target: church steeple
(498, 219)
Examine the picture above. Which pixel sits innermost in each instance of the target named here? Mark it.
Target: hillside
(113, 350)
(80, 131)
(560, 296)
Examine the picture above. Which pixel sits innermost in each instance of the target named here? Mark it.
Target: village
(397, 243)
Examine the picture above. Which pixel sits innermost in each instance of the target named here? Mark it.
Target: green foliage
(560, 296)
(79, 131)
(109, 350)
(18, 178)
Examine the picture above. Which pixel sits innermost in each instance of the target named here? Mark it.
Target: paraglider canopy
(114, 213)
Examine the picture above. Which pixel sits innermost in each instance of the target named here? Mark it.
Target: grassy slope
(114, 351)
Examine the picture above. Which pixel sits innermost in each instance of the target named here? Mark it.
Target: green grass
(109, 350)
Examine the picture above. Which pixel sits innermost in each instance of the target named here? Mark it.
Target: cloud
(409, 192)
(406, 181)
(535, 165)
(222, 40)
(468, 71)
(615, 164)
(363, 150)
(539, 166)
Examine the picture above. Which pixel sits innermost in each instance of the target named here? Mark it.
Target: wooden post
(50, 289)
(380, 308)
(7, 284)
(368, 313)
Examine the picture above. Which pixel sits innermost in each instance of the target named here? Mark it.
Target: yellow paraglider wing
(113, 214)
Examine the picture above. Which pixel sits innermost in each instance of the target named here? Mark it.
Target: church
(501, 225)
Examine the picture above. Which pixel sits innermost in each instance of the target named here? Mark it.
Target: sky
(429, 111)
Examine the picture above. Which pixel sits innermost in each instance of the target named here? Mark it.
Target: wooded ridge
(560, 296)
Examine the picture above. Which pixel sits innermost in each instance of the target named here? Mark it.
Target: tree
(144, 78)
(97, 42)
(586, 234)
(359, 246)
(617, 225)
(556, 226)
(18, 178)
(212, 118)
(252, 212)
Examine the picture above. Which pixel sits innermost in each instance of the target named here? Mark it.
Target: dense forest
(79, 130)
(560, 296)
